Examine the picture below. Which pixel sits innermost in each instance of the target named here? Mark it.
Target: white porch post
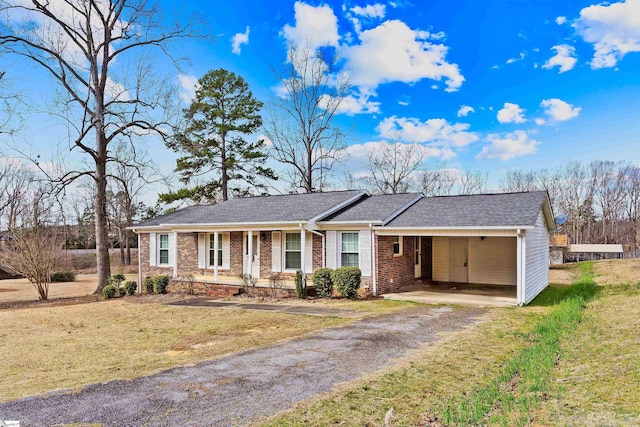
(249, 252)
(303, 254)
(215, 254)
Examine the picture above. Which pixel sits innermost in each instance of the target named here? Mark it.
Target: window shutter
(276, 251)
(308, 253)
(226, 250)
(172, 248)
(364, 257)
(331, 248)
(153, 249)
(202, 250)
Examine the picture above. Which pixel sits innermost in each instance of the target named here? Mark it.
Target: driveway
(242, 387)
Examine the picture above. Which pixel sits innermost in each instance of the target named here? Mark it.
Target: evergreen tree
(213, 142)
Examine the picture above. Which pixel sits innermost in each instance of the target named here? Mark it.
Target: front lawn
(48, 348)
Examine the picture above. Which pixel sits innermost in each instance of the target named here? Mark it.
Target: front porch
(457, 293)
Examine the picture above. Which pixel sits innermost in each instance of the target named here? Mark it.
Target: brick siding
(394, 272)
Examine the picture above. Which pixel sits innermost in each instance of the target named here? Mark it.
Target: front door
(252, 263)
(459, 261)
(417, 256)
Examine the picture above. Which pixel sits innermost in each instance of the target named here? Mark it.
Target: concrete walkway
(282, 308)
(458, 294)
(241, 388)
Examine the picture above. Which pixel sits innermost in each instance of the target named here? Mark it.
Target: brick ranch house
(397, 240)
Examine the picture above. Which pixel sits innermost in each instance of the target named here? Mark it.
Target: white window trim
(283, 243)
(340, 252)
(207, 261)
(158, 249)
(400, 240)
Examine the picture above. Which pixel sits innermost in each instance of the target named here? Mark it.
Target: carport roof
(481, 210)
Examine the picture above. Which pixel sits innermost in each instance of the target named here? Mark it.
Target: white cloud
(540, 121)
(511, 113)
(376, 10)
(564, 58)
(361, 151)
(238, 40)
(507, 146)
(187, 87)
(519, 58)
(558, 110)
(116, 91)
(465, 110)
(613, 29)
(436, 132)
(355, 103)
(394, 52)
(315, 26)
(403, 103)
(561, 20)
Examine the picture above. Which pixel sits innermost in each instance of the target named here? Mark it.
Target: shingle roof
(482, 210)
(373, 208)
(285, 208)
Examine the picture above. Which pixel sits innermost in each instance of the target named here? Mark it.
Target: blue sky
(485, 85)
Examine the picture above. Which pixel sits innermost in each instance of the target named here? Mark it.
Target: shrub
(346, 280)
(116, 279)
(322, 282)
(301, 285)
(147, 284)
(122, 291)
(160, 284)
(109, 291)
(63, 276)
(131, 287)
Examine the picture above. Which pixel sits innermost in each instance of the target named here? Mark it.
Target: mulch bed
(54, 302)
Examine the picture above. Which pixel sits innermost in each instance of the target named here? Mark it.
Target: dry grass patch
(44, 349)
(617, 271)
(564, 274)
(441, 372)
(598, 378)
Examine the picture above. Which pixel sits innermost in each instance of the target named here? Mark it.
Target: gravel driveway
(242, 387)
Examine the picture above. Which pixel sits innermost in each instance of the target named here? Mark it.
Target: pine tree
(213, 142)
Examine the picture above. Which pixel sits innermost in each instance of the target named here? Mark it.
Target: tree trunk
(102, 236)
(121, 244)
(224, 180)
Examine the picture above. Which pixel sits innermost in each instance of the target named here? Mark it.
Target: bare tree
(88, 48)
(300, 123)
(473, 182)
(33, 247)
(393, 166)
(438, 181)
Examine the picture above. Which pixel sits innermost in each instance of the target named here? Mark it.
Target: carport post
(250, 252)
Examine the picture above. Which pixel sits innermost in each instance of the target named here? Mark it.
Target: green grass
(512, 396)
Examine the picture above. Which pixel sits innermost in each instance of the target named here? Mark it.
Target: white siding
(440, 259)
(276, 254)
(364, 258)
(153, 249)
(226, 250)
(173, 252)
(536, 260)
(332, 246)
(308, 252)
(493, 261)
(202, 250)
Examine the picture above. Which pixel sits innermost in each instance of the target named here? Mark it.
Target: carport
(489, 249)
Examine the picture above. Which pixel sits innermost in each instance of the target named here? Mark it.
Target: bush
(147, 284)
(301, 285)
(347, 280)
(160, 284)
(116, 279)
(322, 282)
(63, 276)
(122, 291)
(109, 291)
(131, 287)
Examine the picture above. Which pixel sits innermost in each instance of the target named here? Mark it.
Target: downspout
(139, 265)
(373, 261)
(322, 236)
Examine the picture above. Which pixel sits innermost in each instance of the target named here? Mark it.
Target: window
(349, 250)
(163, 248)
(212, 252)
(293, 251)
(397, 245)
